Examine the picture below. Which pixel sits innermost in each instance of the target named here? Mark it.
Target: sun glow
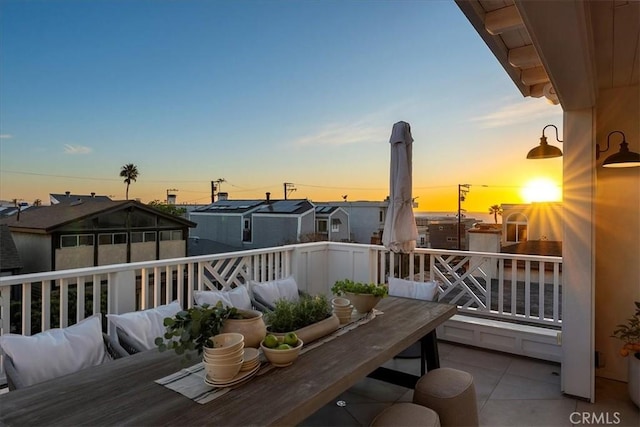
(541, 190)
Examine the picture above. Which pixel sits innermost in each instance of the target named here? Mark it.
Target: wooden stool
(451, 393)
(406, 414)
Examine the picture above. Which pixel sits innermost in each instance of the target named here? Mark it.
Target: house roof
(69, 198)
(230, 206)
(535, 247)
(326, 210)
(286, 207)
(45, 219)
(9, 258)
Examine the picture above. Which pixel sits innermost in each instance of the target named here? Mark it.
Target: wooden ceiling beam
(534, 76)
(501, 20)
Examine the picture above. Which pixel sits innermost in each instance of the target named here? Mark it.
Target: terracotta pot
(310, 333)
(634, 378)
(252, 327)
(363, 303)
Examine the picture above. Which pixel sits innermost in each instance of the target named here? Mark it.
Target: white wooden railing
(516, 288)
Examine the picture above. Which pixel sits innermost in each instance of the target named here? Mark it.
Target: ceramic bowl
(282, 358)
(224, 344)
(340, 302)
(225, 359)
(219, 372)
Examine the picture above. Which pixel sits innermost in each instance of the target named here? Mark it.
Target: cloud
(342, 134)
(5, 136)
(76, 149)
(523, 111)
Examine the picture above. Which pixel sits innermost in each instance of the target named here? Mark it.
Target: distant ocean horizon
(483, 216)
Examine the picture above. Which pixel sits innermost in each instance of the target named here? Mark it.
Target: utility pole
(463, 189)
(288, 188)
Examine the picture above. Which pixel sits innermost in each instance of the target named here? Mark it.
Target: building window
(381, 215)
(335, 225)
(76, 240)
(112, 238)
(516, 228)
(322, 226)
(143, 236)
(171, 235)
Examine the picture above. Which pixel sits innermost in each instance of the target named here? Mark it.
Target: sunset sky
(259, 93)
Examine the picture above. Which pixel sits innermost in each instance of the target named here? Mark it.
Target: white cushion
(427, 291)
(143, 327)
(274, 290)
(56, 352)
(237, 297)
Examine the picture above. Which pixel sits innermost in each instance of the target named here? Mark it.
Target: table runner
(190, 381)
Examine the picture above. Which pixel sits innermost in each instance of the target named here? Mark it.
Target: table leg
(430, 352)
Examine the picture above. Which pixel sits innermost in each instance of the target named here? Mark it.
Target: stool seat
(406, 414)
(451, 393)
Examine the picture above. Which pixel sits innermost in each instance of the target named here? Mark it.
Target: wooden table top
(123, 391)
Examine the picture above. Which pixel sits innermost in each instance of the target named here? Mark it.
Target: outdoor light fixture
(544, 150)
(623, 158)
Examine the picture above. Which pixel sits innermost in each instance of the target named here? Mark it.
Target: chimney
(67, 193)
(93, 195)
(268, 194)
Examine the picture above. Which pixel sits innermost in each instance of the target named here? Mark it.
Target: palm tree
(130, 173)
(495, 210)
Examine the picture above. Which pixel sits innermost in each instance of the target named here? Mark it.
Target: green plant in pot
(363, 296)
(629, 333)
(190, 330)
(310, 318)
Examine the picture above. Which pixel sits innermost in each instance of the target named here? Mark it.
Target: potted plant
(310, 317)
(363, 296)
(190, 330)
(629, 332)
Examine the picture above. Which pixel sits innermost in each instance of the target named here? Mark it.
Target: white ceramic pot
(634, 378)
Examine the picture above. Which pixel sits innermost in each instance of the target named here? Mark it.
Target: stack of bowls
(342, 308)
(224, 359)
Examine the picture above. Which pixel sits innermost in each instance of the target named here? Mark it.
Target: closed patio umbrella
(400, 232)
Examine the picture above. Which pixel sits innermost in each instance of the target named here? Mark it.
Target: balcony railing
(514, 288)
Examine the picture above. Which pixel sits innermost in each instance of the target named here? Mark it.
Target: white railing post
(122, 292)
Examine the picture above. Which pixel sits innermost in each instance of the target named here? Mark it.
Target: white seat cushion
(427, 291)
(238, 297)
(56, 352)
(143, 327)
(274, 290)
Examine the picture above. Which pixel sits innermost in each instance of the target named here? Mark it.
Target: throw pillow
(56, 352)
(427, 291)
(143, 327)
(274, 290)
(238, 297)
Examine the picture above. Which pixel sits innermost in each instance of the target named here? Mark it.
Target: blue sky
(258, 93)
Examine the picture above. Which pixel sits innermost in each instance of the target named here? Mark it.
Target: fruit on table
(271, 341)
(283, 347)
(291, 338)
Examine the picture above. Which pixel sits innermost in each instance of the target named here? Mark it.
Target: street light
(463, 189)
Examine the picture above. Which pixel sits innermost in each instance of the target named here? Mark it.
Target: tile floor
(511, 391)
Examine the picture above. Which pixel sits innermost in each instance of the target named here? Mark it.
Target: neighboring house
(92, 233)
(366, 219)
(227, 222)
(252, 224)
(68, 198)
(332, 223)
(281, 222)
(443, 233)
(535, 221)
(10, 263)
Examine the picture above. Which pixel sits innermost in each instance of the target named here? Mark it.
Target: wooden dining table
(124, 391)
